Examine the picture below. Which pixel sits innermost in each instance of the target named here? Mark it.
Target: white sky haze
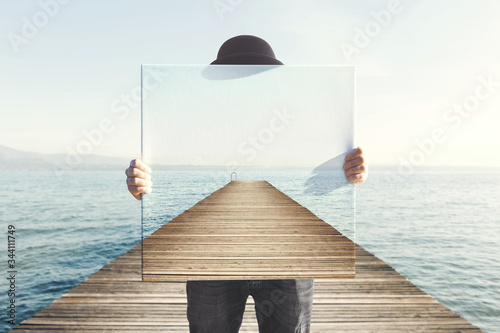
(427, 72)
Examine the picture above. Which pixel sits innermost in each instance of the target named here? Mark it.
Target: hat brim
(246, 59)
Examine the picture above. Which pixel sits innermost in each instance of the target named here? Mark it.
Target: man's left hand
(356, 169)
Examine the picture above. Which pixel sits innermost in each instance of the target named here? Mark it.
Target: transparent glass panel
(270, 141)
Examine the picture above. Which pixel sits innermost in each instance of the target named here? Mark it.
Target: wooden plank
(377, 300)
(236, 222)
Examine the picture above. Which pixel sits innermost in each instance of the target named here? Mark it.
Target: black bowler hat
(246, 50)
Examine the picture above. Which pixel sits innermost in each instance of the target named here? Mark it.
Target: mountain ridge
(14, 159)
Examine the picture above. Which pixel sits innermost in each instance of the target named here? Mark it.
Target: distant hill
(13, 159)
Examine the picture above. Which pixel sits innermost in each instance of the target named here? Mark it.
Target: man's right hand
(138, 178)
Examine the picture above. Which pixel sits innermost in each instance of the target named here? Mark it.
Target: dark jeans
(280, 305)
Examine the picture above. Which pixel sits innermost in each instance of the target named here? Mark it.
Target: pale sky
(427, 72)
(230, 115)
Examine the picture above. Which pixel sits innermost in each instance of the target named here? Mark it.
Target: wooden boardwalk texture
(114, 299)
(247, 230)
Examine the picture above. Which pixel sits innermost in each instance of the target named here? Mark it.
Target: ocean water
(440, 229)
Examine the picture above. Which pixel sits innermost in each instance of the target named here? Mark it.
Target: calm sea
(440, 229)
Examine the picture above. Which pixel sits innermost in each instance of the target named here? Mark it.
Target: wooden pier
(114, 299)
(247, 230)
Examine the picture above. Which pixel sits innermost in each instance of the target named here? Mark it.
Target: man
(218, 306)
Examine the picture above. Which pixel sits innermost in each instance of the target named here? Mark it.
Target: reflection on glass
(289, 125)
